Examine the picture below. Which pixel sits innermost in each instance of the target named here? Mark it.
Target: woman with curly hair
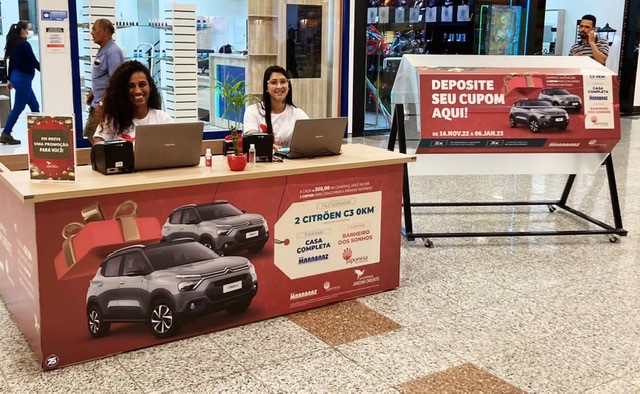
(131, 99)
(275, 114)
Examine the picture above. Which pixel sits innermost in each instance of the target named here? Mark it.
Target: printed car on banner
(166, 284)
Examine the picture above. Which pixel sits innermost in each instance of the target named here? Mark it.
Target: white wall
(9, 16)
(55, 67)
(611, 12)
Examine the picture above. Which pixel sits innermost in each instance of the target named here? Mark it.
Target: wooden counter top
(92, 183)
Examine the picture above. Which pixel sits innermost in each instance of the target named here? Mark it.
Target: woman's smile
(139, 89)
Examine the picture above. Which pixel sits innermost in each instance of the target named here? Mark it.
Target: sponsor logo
(51, 361)
(564, 144)
(304, 294)
(594, 76)
(347, 253)
(327, 286)
(361, 279)
(593, 142)
(439, 143)
(313, 259)
(495, 143)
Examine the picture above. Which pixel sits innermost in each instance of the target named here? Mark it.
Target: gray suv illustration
(219, 226)
(538, 114)
(167, 284)
(561, 98)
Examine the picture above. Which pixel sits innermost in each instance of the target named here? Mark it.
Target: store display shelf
(397, 25)
(463, 23)
(159, 27)
(164, 58)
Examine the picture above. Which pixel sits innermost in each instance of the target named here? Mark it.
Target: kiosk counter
(108, 264)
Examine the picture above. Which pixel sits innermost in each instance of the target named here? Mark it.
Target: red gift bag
(86, 245)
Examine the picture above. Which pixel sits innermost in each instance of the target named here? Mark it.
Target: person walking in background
(108, 58)
(590, 44)
(22, 68)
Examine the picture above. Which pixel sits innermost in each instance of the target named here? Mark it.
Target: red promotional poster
(116, 272)
(51, 147)
(514, 110)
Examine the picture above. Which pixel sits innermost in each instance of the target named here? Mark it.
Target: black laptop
(316, 137)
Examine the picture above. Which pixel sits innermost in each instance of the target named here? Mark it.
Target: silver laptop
(167, 145)
(316, 137)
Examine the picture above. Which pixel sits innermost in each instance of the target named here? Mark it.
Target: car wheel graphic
(512, 121)
(238, 307)
(534, 125)
(97, 326)
(163, 321)
(208, 242)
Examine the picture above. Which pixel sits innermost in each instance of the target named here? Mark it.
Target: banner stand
(398, 132)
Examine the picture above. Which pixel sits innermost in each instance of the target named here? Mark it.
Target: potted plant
(233, 93)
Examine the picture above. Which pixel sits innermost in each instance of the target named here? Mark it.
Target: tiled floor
(499, 315)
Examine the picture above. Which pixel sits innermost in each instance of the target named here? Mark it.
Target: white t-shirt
(283, 123)
(154, 116)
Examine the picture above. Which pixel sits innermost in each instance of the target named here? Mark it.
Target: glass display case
(396, 28)
(502, 29)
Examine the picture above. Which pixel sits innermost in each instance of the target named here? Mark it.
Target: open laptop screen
(317, 137)
(168, 145)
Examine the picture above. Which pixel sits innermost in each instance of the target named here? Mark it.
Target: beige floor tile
(399, 356)
(267, 342)
(325, 371)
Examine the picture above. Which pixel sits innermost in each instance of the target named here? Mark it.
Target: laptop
(167, 145)
(316, 137)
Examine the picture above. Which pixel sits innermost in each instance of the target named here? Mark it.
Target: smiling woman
(131, 99)
(275, 114)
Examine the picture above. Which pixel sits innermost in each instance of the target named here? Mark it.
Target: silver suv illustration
(219, 226)
(561, 98)
(167, 284)
(538, 114)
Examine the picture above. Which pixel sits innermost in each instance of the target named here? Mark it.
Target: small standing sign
(51, 147)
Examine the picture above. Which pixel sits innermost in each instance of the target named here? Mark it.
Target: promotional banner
(467, 110)
(132, 270)
(51, 147)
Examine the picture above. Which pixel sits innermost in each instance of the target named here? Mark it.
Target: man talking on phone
(590, 44)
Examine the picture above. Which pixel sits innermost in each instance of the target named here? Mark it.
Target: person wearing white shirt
(275, 114)
(131, 99)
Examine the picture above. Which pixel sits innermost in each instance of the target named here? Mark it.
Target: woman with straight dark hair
(275, 114)
(131, 99)
(22, 68)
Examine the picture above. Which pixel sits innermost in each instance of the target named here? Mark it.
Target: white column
(55, 61)
(182, 66)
